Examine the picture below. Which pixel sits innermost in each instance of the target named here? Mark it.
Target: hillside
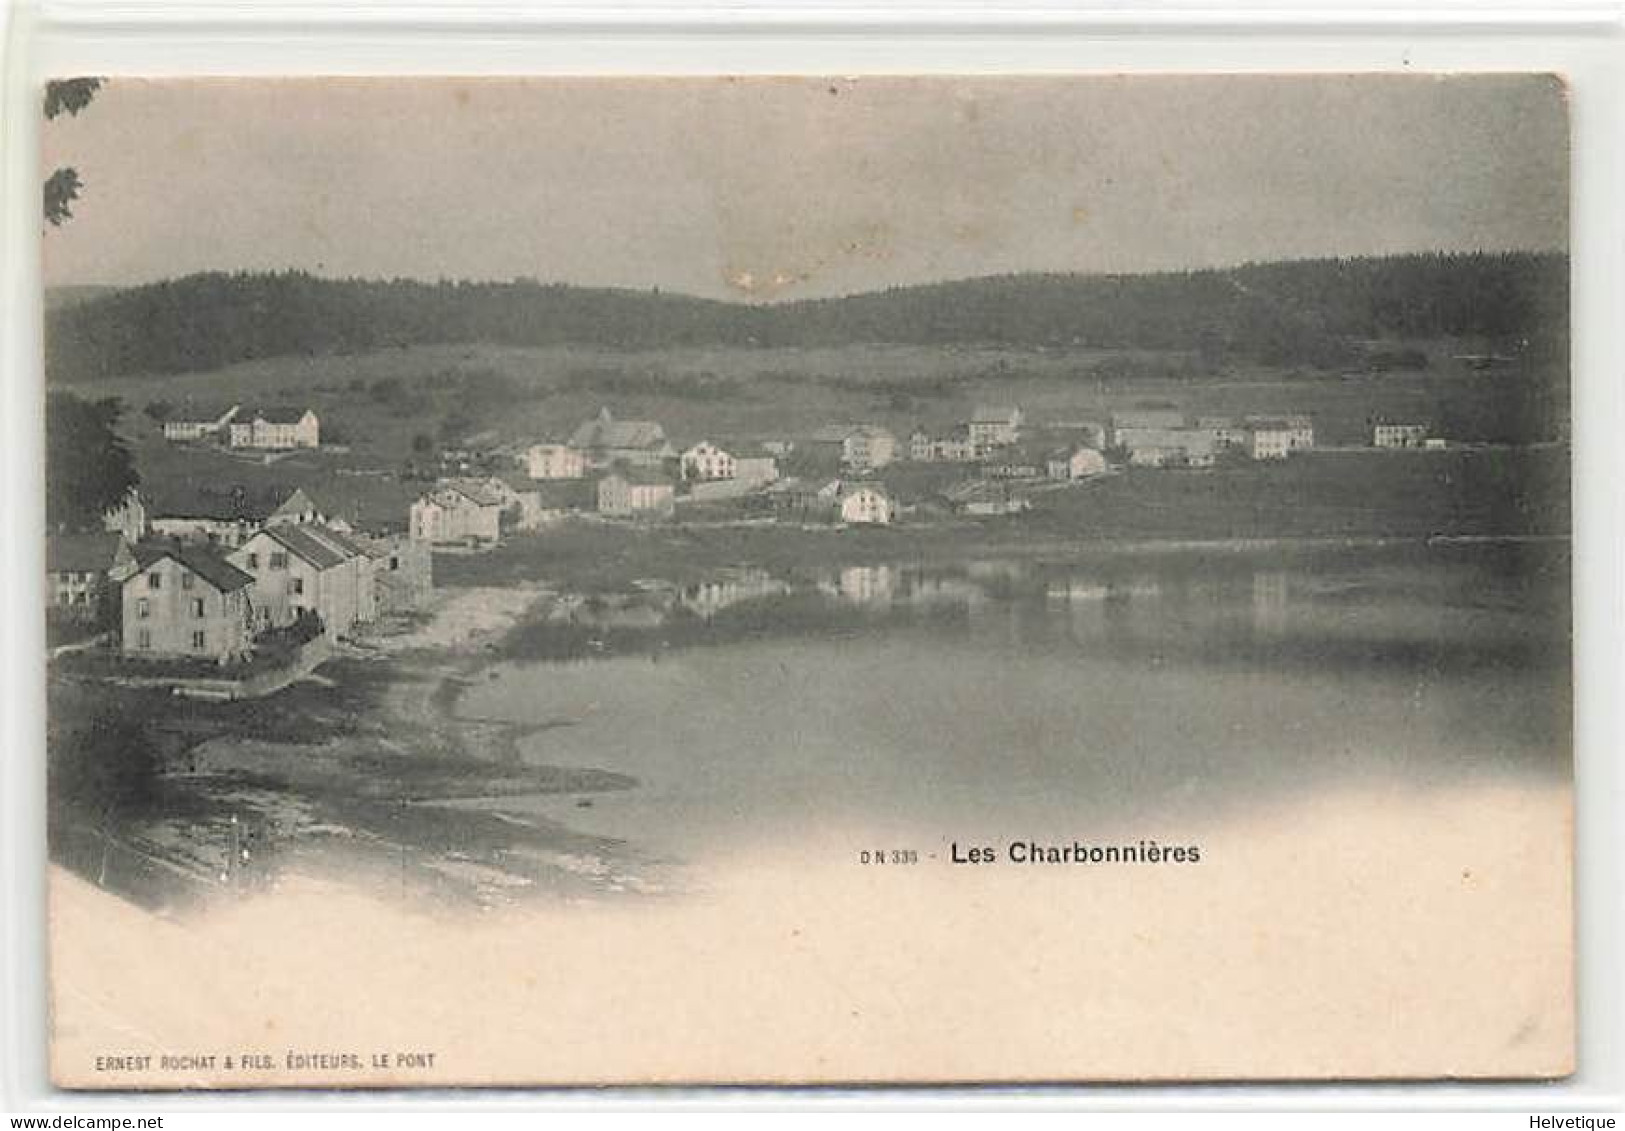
(1311, 312)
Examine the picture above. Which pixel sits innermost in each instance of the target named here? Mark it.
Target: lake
(1107, 696)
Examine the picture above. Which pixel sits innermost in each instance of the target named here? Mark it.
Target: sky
(780, 188)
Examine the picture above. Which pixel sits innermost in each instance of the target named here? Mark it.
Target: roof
(847, 490)
(472, 490)
(1189, 439)
(995, 414)
(81, 553)
(188, 498)
(189, 413)
(1280, 420)
(315, 545)
(279, 415)
(207, 564)
(976, 490)
(605, 431)
(516, 481)
(643, 475)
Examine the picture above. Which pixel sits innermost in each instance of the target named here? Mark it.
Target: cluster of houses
(207, 574)
(1174, 438)
(269, 429)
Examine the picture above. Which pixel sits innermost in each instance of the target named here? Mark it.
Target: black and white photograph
(912, 579)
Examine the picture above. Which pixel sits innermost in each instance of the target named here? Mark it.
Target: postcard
(807, 580)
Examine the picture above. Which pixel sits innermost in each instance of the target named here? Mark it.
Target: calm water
(889, 704)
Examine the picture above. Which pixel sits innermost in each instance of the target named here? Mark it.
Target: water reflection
(1058, 690)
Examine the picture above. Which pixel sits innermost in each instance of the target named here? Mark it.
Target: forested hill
(1293, 312)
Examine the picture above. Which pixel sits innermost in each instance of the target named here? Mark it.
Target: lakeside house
(185, 600)
(307, 568)
(457, 513)
(276, 429)
(1386, 434)
(402, 571)
(555, 461)
(636, 492)
(982, 497)
(83, 573)
(993, 426)
(864, 504)
(605, 441)
(1074, 463)
(192, 423)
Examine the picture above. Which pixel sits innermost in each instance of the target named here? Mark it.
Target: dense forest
(1299, 312)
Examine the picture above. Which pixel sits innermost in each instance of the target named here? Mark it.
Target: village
(222, 590)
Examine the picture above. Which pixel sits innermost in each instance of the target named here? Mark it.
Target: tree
(65, 96)
(88, 467)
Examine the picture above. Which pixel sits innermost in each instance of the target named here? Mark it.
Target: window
(64, 598)
(155, 581)
(279, 559)
(197, 606)
(394, 563)
(198, 640)
(298, 585)
(143, 639)
(143, 608)
(186, 581)
(253, 561)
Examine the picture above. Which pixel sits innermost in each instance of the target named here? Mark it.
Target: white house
(277, 429)
(1267, 441)
(952, 446)
(185, 601)
(864, 504)
(1387, 435)
(1299, 431)
(300, 567)
(993, 426)
(706, 460)
(555, 461)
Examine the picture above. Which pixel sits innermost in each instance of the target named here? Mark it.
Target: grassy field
(379, 402)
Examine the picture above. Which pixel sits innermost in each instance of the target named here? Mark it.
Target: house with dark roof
(605, 441)
(222, 514)
(457, 512)
(83, 573)
(185, 600)
(277, 429)
(300, 568)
